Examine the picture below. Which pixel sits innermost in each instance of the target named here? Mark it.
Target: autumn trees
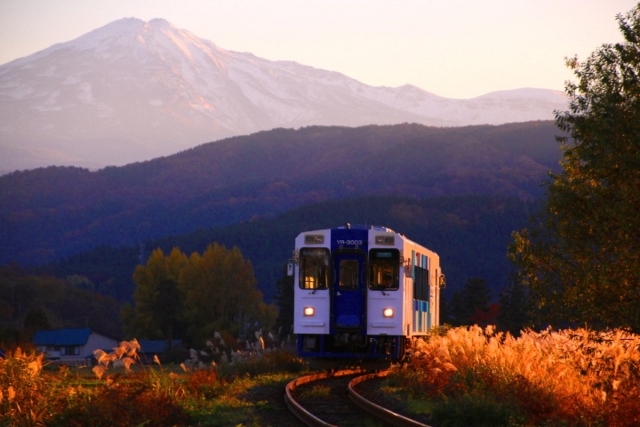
(30, 302)
(580, 258)
(196, 296)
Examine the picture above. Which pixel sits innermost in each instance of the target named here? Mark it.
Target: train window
(421, 284)
(348, 274)
(383, 269)
(314, 268)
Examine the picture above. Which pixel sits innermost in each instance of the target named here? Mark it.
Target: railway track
(330, 400)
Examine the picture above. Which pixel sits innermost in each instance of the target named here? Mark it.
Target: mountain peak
(133, 90)
(125, 32)
(160, 22)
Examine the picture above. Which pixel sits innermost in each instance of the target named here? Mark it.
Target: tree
(580, 257)
(36, 319)
(221, 294)
(202, 294)
(285, 298)
(471, 305)
(476, 299)
(169, 302)
(454, 314)
(158, 299)
(513, 315)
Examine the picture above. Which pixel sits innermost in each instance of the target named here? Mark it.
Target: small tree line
(473, 304)
(192, 297)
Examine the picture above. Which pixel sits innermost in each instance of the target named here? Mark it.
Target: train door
(348, 290)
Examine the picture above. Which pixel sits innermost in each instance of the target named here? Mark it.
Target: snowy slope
(135, 90)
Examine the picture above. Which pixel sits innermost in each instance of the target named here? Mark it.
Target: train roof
(348, 226)
(365, 227)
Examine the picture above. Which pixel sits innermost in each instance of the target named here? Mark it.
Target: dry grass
(569, 377)
(21, 388)
(119, 391)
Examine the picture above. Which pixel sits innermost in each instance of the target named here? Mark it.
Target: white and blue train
(362, 292)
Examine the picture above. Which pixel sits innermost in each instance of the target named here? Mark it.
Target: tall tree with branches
(580, 257)
(158, 299)
(221, 294)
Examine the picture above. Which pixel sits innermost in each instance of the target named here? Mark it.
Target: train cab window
(384, 269)
(348, 274)
(314, 268)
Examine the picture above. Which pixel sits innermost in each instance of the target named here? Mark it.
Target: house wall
(97, 341)
(49, 354)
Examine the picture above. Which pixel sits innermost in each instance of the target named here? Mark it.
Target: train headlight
(309, 311)
(387, 312)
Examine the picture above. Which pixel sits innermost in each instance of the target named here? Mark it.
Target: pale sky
(453, 48)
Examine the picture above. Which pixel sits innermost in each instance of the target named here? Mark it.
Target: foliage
(123, 392)
(471, 304)
(266, 362)
(36, 319)
(479, 409)
(514, 309)
(55, 212)
(569, 377)
(581, 256)
(220, 293)
(21, 388)
(43, 302)
(136, 398)
(200, 293)
(284, 321)
(134, 402)
(158, 299)
(469, 233)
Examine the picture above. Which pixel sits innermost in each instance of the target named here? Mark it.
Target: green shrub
(477, 410)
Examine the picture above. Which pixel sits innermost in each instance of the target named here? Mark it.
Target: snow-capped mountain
(134, 90)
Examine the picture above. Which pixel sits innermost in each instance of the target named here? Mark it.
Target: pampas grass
(570, 377)
(21, 388)
(125, 355)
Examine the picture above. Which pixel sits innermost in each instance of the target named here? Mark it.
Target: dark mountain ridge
(470, 233)
(49, 213)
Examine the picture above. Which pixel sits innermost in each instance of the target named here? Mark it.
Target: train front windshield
(384, 269)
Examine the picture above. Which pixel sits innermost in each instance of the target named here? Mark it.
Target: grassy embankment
(474, 376)
(460, 377)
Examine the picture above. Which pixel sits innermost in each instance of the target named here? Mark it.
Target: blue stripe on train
(421, 318)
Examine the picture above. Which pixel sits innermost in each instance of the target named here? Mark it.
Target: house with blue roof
(151, 348)
(72, 344)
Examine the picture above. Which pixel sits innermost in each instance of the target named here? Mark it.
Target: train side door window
(384, 269)
(314, 268)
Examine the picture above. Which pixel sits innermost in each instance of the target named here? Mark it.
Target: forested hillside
(470, 233)
(50, 213)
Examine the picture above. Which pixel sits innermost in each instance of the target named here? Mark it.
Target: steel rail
(377, 410)
(302, 414)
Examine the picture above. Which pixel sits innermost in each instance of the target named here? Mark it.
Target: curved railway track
(330, 400)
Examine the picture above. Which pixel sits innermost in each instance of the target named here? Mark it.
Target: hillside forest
(459, 191)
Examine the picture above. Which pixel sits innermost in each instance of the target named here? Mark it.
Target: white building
(72, 345)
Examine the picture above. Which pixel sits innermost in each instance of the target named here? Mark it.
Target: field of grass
(477, 377)
(119, 391)
(459, 376)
